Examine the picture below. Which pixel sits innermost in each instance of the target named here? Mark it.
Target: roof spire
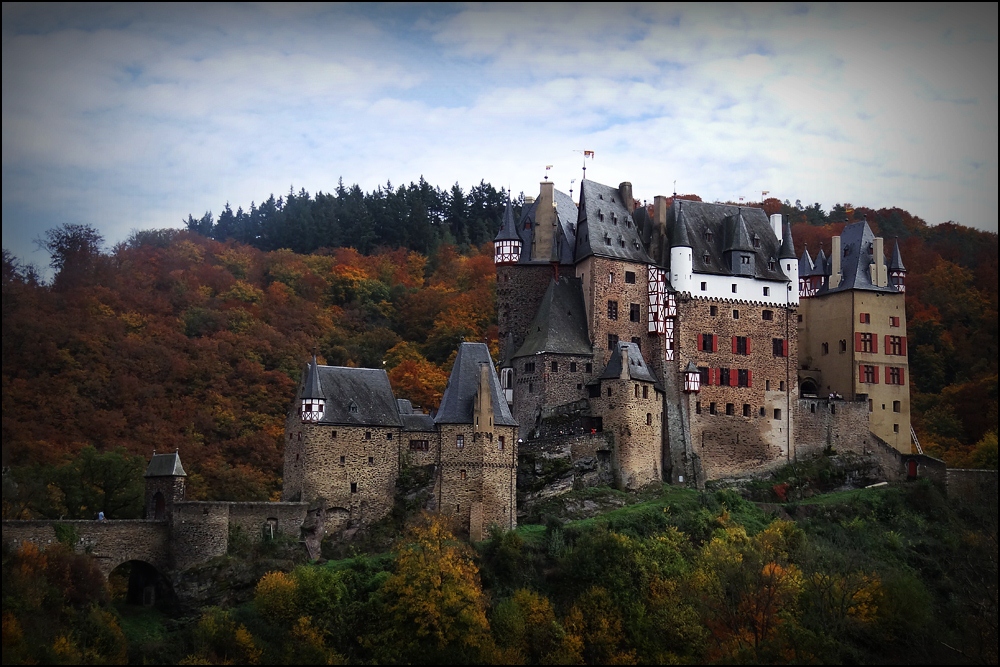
(787, 245)
(896, 263)
(681, 239)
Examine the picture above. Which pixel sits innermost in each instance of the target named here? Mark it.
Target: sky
(128, 117)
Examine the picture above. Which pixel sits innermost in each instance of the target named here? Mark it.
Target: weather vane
(547, 167)
(586, 154)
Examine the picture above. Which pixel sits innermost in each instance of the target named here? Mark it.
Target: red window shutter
(718, 377)
(903, 347)
(734, 377)
(784, 348)
(715, 343)
(861, 318)
(861, 373)
(857, 341)
(748, 345)
(875, 344)
(902, 376)
(700, 343)
(749, 374)
(888, 347)
(876, 374)
(888, 379)
(734, 344)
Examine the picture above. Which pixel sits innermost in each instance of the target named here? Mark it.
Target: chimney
(625, 375)
(625, 190)
(835, 262)
(776, 226)
(483, 408)
(660, 211)
(545, 222)
(880, 275)
(528, 200)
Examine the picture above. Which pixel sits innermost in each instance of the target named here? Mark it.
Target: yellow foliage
(274, 597)
(243, 291)
(435, 588)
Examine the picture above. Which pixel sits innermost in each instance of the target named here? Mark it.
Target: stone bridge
(110, 543)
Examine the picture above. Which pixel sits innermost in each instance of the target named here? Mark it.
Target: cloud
(134, 115)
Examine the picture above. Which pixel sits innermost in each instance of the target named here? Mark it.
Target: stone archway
(139, 583)
(808, 388)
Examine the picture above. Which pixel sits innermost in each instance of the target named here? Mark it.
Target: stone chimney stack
(880, 276)
(545, 222)
(659, 235)
(625, 190)
(483, 408)
(836, 257)
(777, 226)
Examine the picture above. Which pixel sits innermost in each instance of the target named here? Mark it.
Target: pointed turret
(681, 254)
(787, 246)
(313, 401)
(507, 245)
(807, 274)
(897, 272)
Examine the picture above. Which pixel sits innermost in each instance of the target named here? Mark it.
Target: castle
(674, 330)
(349, 437)
(682, 342)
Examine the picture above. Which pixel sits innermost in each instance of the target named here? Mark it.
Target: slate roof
(606, 226)
(356, 396)
(560, 325)
(508, 229)
(459, 395)
(722, 220)
(565, 238)
(806, 266)
(413, 420)
(856, 247)
(165, 465)
(312, 388)
(638, 369)
(787, 245)
(896, 263)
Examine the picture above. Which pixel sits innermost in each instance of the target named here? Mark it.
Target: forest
(194, 339)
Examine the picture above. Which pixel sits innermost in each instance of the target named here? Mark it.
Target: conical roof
(508, 229)
(787, 246)
(739, 235)
(681, 238)
(822, 266)
(896, 263)
(560, 325)
(165, 465)
(459, 396)
(806, 266)
(313, 389)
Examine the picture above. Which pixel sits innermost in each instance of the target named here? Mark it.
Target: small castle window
(767, 315)
(756, 241)
(736, 314)
(843, 346)
(763, 412)
(609, 391)
(730, 409)
(500, 442)
(341, 460)
(555, 366)
(708, 236)
(463, 475)
(777, 413)
(572, 367)
(734, 288)
(708, 258)
(704, 286)
(713, 310)
(371, 460)
(826, 348)
(368, 435)
(460, 441)
(354, 487)
(645, 391)
(896, 406)
(767, 291)
(770, 264)
(713, 408)
(630, 277)
(388, 436)
(649, 419)
(589, 368)
(333, 435)
(746, 409)
(697, 407)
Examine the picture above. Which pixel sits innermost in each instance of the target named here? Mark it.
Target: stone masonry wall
(199, 531)
(635, 423)
(251, 517)
(544, 387)
(354, 467)
(110, 543)
(839, 425)
(604, 282)
(171, 489)
(751, 426)
(970, 485)
(480, 472)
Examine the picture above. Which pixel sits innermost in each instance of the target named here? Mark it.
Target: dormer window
(601, 197)
(352, 408)
(607, 239)
(614, 218)
(756, 241)
(708, 235)
(771, 264)
(600, 215)
(708, 258)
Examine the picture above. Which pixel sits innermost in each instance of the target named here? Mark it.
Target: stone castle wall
(353, 467)
(544, 387)
(838, 425)
(604, 282)
(520, 289)
(735, 430)
(110, 543)
(635, 423)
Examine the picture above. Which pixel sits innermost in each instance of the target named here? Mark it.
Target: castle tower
(477, 474)
(681, 255)
(897, 272)
(313, 403)
(164, 485)
(789, 264)
(507, 245)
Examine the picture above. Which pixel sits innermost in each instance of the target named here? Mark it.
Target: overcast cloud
(131, 117)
